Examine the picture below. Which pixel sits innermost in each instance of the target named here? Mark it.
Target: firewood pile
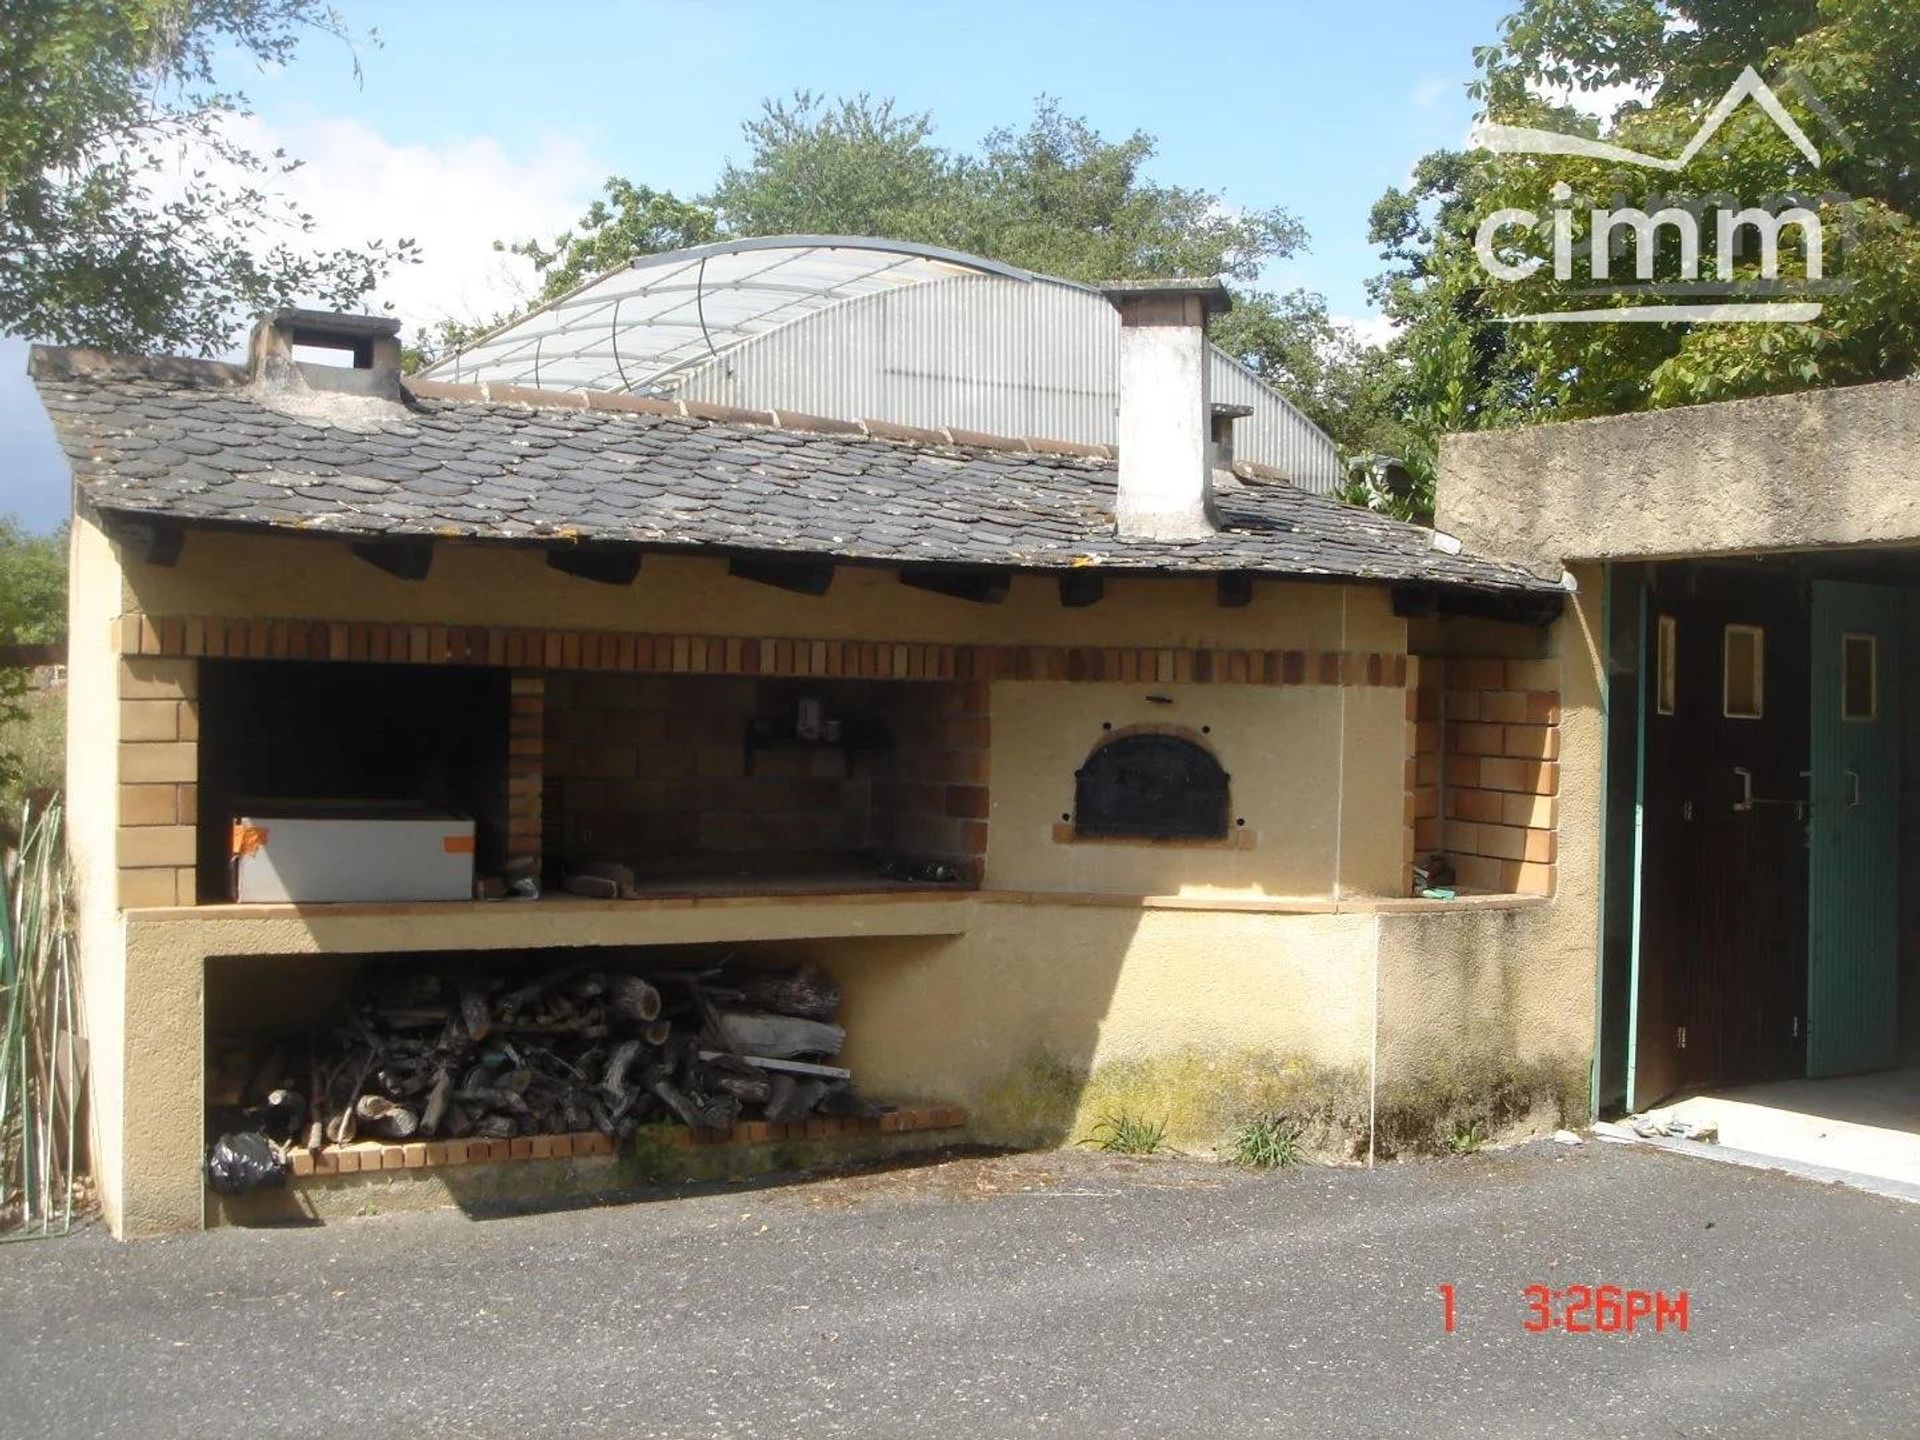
(456, 1053)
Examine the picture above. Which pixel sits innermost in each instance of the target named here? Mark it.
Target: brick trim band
(195, 637)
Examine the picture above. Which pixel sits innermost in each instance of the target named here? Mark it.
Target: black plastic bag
(243, 1162)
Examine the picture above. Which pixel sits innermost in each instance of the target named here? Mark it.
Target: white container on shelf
(306, 852)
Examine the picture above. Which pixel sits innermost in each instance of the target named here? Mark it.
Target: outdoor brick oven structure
(585, 619)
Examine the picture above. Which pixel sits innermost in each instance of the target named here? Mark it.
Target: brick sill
(366, 1156)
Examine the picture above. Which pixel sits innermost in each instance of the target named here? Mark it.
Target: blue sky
(483, 120)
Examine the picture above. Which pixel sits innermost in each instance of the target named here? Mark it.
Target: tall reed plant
(39, 1048)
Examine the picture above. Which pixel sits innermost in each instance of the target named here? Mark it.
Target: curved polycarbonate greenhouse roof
(636, 328)
(854, 328)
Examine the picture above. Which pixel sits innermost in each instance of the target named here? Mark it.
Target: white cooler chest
(351, 851)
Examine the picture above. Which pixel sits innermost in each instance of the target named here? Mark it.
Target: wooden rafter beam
(1234, 590)
(408, 559)
(1081, 588)
(148, 537)
(602, 564)
(982, 587)
(802, 577)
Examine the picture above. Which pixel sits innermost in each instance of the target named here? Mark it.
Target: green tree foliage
(33, 611)
(853, 167)
(1053, 195)
(33, 585)
(130, 216)
(1058, 198)
(1848, 70)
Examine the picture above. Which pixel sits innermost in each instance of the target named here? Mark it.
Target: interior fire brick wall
(657, 771)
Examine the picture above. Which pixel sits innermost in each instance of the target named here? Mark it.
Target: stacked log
(452, 1053)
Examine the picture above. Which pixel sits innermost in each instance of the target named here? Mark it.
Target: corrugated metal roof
(856, 329)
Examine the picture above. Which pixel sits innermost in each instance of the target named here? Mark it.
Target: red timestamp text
(1603, 1310)
(1591, 1310)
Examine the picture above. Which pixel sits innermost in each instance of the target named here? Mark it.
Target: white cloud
(1428, 89)
(1367, 329)
(454, 199)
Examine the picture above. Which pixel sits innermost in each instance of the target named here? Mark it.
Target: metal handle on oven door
(1745, 802)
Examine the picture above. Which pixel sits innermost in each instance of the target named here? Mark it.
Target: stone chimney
(371, 340)
(1166, 423)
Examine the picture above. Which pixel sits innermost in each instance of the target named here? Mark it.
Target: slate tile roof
(193, 442)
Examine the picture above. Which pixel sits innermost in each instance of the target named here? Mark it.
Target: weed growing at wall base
(1125, 1134)
(1271, 1143)
(1468, 1139)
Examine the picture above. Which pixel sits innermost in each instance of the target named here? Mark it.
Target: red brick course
(192, 637)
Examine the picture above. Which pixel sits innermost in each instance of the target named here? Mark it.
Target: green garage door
(1854, 832)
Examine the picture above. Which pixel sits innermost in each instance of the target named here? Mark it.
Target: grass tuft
(1269, 1143)
(1125, 1134)
(1468, 1138)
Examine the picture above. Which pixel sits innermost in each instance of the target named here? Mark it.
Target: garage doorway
(1761, 921)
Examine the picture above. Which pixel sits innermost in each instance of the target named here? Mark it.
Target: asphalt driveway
(1046, 1295)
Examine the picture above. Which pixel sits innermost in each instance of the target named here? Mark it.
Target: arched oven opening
(1151, 787)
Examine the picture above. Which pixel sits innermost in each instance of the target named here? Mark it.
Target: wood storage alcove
(329, 1050)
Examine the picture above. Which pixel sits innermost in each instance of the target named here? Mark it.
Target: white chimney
(1166, 423)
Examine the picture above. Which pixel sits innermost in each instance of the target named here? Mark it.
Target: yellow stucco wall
(93, 742)
(1038, 986)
